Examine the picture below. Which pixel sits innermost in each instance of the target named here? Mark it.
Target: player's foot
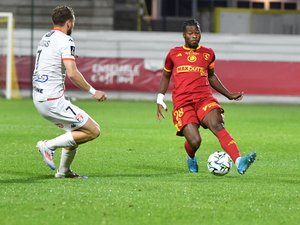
(46, 153)
(192, 164)
(69, 174)
(245, 161)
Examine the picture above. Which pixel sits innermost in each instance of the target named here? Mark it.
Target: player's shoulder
(69, 38)
(208, 53)
(206, 49)
(62, 37)
(176, 50)
(66, 37)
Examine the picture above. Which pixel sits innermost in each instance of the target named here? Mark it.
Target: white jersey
(48, 79)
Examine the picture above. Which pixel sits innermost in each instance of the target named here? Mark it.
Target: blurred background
(122, 44)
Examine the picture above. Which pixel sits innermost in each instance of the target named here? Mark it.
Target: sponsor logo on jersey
(189, 68)
(179, 54)
(39, 90)
(191, 52)
(41, 78)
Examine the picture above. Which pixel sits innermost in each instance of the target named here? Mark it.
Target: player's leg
(79, 126)
(69, 142)
(193, 139)
(46, 152)
(187, 124)
(64, 170)
(89, 131)
(191, 145)
(66, 159)
(214, 120)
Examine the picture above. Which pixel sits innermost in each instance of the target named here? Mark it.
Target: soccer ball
(219, 163)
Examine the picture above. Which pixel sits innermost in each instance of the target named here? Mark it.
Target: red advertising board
(130, 74)
(119, 74)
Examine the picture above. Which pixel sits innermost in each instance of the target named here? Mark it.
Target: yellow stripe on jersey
(165, 69)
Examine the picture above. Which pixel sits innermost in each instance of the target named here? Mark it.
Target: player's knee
(216, 125)
(71, 148)
(95, 132)
(195, 143)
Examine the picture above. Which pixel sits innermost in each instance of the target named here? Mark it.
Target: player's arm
(163, 87)
(219, 87)
(77, 79)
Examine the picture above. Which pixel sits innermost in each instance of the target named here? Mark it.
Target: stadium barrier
(132, 62)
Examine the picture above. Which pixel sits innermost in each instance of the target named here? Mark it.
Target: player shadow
(23, 177)
(153, 171)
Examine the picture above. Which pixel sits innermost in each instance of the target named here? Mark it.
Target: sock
(64, 140)
(228, 144)
(191, 153)
(236, 162)
(66, 160)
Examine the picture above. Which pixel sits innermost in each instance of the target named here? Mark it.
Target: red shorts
(193, 113)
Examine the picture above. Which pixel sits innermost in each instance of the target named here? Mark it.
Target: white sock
(66, 160)
(64, 140)
(237, 161)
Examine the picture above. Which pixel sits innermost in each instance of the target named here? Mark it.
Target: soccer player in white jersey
(55, 59)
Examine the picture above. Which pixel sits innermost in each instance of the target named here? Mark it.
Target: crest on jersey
(206, 56)
(73, 50)
(191, 58)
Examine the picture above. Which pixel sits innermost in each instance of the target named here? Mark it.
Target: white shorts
(62, 113)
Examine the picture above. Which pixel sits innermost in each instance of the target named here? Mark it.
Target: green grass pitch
(138, 174)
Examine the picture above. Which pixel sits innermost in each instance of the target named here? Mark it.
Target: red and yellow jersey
(189, 68)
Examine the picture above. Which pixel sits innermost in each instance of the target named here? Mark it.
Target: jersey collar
(57, 28)
(191, 49)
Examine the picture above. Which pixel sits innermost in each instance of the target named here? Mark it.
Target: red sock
(189, 150)
(228, 144)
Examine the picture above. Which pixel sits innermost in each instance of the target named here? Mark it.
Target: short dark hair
(61, 14)
(192, 22)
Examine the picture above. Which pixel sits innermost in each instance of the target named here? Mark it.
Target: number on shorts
(71, 110)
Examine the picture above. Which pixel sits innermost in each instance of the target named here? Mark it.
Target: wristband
(160, 100)
(92, 91)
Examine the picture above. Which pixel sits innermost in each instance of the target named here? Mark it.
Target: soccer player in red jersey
(192, 68)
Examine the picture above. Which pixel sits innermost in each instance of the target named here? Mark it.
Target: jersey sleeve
(213, 59)
(68, 49)
(168, 67)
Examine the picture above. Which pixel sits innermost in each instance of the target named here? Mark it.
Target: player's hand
(160, 112)
(100, 96)
(161, 106)
(236, 96)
